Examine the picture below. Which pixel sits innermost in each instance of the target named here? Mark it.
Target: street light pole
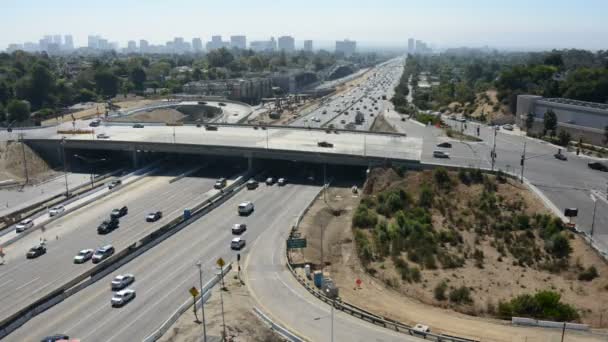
(493, 153)
(593, 217)
(65, 170)
(200, 278)
(523, 160)
(333, 302)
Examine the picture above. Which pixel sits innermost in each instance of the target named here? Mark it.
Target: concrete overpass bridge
(278, 143)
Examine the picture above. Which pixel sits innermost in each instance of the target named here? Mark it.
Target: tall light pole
(92, 163)
(493, 152)
(65, 170)
(200, 279)
(523, 160)
(593, 217)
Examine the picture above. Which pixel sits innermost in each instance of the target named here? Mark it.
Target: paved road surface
(166, 272)
(22, 281)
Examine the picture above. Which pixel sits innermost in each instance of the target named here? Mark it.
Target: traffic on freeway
(358, 107)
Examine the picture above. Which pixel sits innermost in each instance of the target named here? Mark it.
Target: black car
(114, 184)
(118, 213)
(153, 217)
(325, 144)
(598, 166)
(445, 144)
(36, 251)
(55, 338)
(108, 225)
(138, 125)
(252, 184)
(210, 128)
(560, 156)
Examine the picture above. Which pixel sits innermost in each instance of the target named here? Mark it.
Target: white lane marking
(26, 284)
(6, 282)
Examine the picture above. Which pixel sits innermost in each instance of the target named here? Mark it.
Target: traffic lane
(56, 266)
(166, 272)
(281, 297)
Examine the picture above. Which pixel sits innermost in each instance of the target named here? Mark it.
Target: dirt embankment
(486, 107)
(500, 276)
(12, 163)
(241, 323)
(381, 125)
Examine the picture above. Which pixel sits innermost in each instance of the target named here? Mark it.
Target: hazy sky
(504, 23)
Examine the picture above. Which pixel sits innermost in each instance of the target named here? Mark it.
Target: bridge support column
(250, 163)
(135, 159)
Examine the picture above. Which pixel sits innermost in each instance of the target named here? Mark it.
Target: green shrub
(461, 295)
(364, 249)
(464, 177)
(542, 305)
(588, 274)
(426, 197)
(442, 178)
(440, 291)
(364, 217)
(559, 246)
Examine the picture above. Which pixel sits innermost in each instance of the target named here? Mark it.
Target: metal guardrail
(288, 335)
(81, 281)
(206, 293)
(358, 312)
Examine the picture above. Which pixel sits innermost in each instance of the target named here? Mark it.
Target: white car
(237, 243)
(441, 154)
(103, 136)
(422, 329)
(122, 297)
(121, 281)
(282, 181)
(245, 208)
(24, 225)
(56, 210)
(83, 256)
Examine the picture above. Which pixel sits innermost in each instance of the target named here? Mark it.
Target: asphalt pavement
(166, 272)
(24, 280)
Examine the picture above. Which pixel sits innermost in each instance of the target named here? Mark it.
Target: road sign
(193, 291)
(296, 243)
(220, 262)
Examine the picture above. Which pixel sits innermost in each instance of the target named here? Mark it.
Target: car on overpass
(282, 181)
(103, 136)
(252, 184)
(83, 256)
(441, 154)
(56, 210)
(220, 183)
(114, 184)
(24, 225)
(445, 144)
(598, 166)
(122, 297)
(36, 251)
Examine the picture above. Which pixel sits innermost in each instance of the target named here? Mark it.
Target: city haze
(385, 23)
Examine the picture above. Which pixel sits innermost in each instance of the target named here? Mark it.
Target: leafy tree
(425, 199)
(41, 85)
(106, 83)
(559, 246)
(18, 110)
(5, 92)
(550, 122)
(220, 58)
(138, 76)
(564, 137)
(529, 121)
(86, 95)
(554, 59)
(2, 113)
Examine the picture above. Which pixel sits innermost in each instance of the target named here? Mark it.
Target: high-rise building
(347, 47)
(144, 46)
(68, 42)
(216, 43)
(308, 45)
(93, 42)
(131, 46)
(197, 44)
(411, 45)
(238, 42)
(263, 45)
(57, 39)
(287, 44)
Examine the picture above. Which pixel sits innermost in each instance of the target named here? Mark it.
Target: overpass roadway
(25, 280)
(166, 272)
(245, 141)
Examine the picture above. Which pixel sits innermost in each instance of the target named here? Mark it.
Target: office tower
(143, 46)
(238, 42)
(411, 45)
(197, 44)
(347, 47)
(68, 42)
(308, 45)
(286, 43)
(57, 39)
(131, 46)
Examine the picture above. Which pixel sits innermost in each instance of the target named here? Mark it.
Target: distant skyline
(515, 24)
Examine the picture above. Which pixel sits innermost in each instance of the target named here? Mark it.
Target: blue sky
(507, 23)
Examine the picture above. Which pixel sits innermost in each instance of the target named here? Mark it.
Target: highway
(288, 303)
(166, 272)
(23, 281)
(339, 110)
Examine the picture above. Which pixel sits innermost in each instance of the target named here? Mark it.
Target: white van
(245, 208)
(237, 243)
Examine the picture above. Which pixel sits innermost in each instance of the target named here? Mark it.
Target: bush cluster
(542, 305)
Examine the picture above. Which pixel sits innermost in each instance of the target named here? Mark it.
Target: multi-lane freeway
(24, 280)
(166, 272)
(369, 99)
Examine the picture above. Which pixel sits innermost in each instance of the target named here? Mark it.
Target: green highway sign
(296, 243)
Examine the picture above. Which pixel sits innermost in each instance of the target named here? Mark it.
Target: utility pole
(200, 278)
(593, 218)
(563, 331)
(333, 303)
(222, 301)
(493, 153)
(523, 159)
(24, 160)
(65, 170)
